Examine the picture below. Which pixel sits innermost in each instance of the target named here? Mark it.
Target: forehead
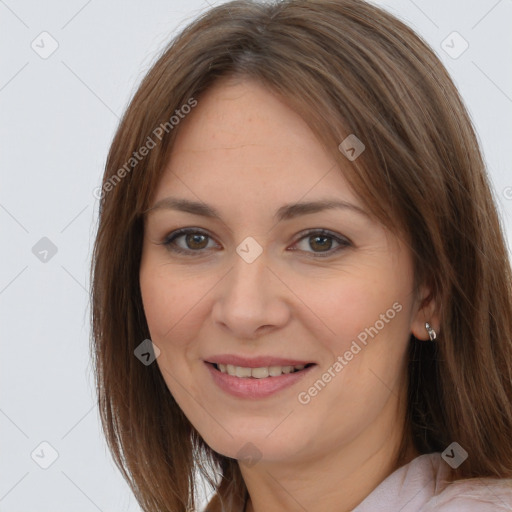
(242, 141)
(235, 111)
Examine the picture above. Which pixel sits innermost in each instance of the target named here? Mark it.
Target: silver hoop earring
(431, 333)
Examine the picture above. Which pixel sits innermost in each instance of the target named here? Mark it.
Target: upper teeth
(258, 373)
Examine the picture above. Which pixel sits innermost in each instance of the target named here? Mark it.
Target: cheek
(167, 298)
(370, 319)
(371, 322)
(156, 300)
(171, 314)
(355, 307)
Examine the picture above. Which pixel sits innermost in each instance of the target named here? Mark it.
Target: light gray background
(58, 116)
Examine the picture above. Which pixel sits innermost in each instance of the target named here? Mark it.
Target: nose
(251, 300)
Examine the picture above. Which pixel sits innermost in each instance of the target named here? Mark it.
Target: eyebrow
(286, 212)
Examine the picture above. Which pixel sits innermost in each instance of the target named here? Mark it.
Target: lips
(256, 377)
(255, 362)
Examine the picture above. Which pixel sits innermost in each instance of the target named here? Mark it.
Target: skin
(244, 152)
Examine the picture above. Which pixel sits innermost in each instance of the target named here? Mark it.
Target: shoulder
(425, 485)
(467, 495)
(482, 495)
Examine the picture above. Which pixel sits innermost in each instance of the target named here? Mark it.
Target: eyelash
(170, 239)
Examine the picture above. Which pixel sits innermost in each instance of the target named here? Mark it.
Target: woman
(300, 282)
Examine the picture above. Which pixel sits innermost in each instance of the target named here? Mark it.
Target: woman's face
(261, 286)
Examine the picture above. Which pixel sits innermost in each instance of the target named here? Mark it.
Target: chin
(255, 446)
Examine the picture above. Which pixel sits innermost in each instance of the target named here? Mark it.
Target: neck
(338, 479)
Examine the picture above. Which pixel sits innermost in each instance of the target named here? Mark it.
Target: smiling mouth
(259, 373)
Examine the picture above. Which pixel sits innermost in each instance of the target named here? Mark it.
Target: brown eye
(193, 241)
(321, 241)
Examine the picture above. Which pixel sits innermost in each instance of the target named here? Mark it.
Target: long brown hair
(347, 67)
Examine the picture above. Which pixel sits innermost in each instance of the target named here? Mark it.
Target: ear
(426, 311)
